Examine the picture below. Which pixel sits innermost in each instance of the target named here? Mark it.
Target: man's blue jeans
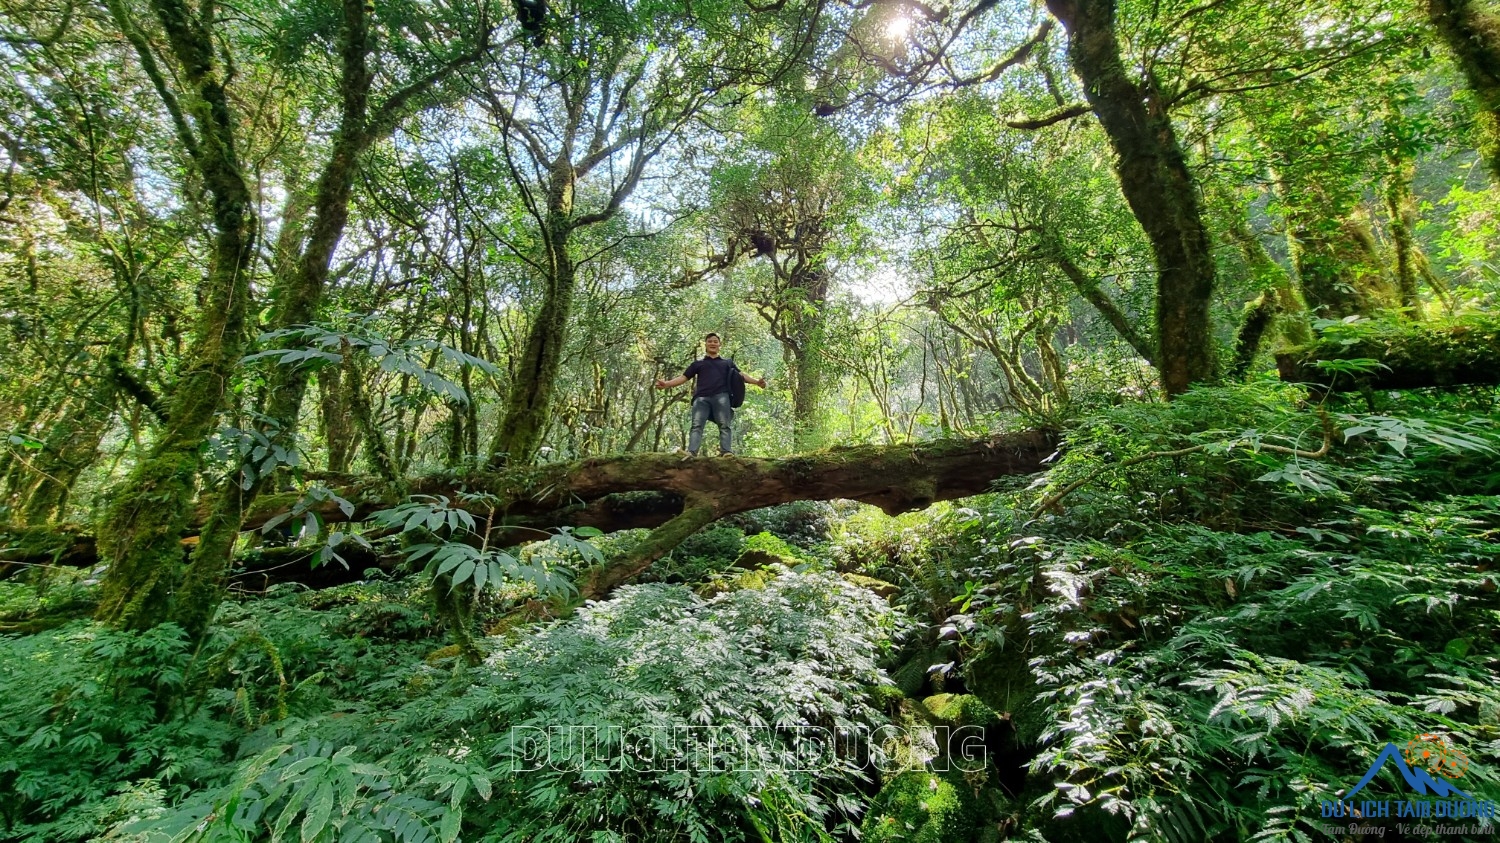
(714, 407)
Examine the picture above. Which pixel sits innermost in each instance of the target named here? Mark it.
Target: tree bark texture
(336, 421)
(140, 533)
(71, 446)
(1471, 30)
(1401, 207)
(805, 322)
(1255, 323)
(528, 409)
(1156, 182)
(295, 300)
(296, 297)
(1278, 309)
(1338, 267)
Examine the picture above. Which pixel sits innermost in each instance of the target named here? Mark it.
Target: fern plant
(1215, 655)
(455, 548)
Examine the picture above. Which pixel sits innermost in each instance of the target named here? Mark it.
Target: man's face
(711, 345)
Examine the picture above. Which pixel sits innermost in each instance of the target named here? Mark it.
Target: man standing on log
(711, 394)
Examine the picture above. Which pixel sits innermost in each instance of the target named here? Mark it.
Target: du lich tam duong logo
(1431, 768)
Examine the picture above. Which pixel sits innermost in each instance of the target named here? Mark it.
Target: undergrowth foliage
(1224, 635)
(79, 715)
(661, 716)
(1208, 618)
(101, 730)
(656, 715)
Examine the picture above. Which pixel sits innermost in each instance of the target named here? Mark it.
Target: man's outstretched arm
(760, 382)
(677, 381)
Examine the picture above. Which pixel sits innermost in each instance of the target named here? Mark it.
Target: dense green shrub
(1225, 634)
(100, 728)
(655, 715)
(81, 715)
(802, 523)
(703, 554)
(731, 680)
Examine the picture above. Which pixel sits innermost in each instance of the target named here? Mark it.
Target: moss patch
(960, 710)
(922, 807)
(764, 549)
(880, 587)
(756, 579)
(1405, 355)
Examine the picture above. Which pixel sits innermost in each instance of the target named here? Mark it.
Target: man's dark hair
(713, 335)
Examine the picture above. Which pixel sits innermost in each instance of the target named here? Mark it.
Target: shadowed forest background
(1132, 415)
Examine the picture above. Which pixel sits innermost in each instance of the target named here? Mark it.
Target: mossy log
(64, 545)
(676, 496)
(254, 570)
(1406, 356)
(264, 567)
(648, 490)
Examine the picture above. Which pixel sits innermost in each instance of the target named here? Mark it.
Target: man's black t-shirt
(712, 374)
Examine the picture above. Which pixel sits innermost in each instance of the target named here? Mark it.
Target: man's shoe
(726, 454)
(688, 456)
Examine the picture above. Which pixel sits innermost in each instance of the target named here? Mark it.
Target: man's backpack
(736, 386)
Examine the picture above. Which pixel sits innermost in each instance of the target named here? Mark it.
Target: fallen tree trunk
(65, 546)
(647, 490)
(1404, 355)
(672, 495)
(254, 570)
(264, 567)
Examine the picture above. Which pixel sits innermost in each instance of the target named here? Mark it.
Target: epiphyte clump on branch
(531, 14)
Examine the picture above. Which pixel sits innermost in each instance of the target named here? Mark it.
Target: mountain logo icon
(1419, 780)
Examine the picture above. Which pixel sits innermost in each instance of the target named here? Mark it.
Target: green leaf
(464, 572)
(318, 812)
(274, 521)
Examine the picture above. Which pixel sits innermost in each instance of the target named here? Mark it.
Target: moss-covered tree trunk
(650, 490)
(1401, 206)
(1154, 177)
(1471, 29)
(336, 423)
(72, 445)
(1410, 356)
(803, 336)
(296, 299)
(1277, 310)
(1339, 269)
(377, 449)
(141, 530)
(15, 474)
(297, 296)
(1158, 188)
(528, 408)
(807, 397)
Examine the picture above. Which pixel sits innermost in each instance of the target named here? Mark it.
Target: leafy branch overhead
(313, 347)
